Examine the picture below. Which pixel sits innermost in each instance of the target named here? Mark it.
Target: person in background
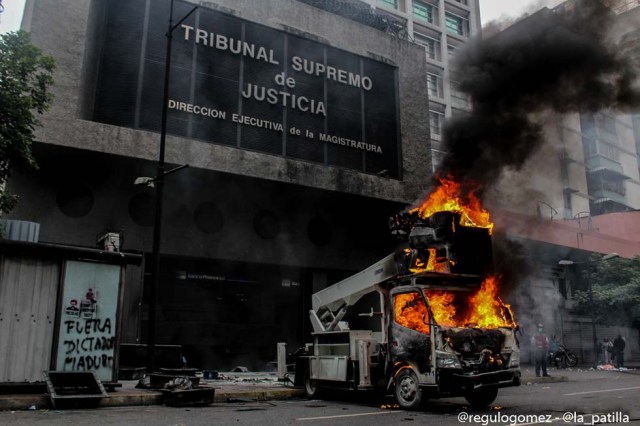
(600, 354)
(618, 349)
(540, 344)
(608, 349)
(553, 348)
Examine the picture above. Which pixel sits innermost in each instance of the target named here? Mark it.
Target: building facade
(571, 200)
(609, 139)
(303, 131)
(441, 27)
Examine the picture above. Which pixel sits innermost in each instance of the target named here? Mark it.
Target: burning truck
(434, 324)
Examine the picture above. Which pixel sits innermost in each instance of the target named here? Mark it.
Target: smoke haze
(518, 80)
(560, 62)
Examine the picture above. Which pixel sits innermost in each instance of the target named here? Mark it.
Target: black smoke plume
(551, 61)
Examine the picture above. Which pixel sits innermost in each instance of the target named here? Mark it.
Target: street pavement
(569, 397)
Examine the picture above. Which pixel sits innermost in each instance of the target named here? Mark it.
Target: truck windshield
(410, 311)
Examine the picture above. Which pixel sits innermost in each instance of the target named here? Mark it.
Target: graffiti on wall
(88, 325)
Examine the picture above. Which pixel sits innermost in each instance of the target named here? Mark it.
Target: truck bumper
(494, 379)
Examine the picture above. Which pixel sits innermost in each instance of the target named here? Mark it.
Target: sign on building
(245, 85)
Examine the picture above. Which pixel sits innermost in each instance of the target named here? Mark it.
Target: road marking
(599, 391)
(555, 419)
(349, 415)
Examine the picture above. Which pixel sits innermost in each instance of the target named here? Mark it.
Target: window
(609, 151)
(607, 123)
(589, 146)
(588, 123)
(431, 45)
(600, 183)
(435, 122)
(436, 159)
(455, 24)
(434, 85)
(451, 50)
(595, 147)
(410, 311)
(458, 97)
(389, 3)
(423, 11)
(567, 205)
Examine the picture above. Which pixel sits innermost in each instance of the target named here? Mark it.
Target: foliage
(616, 291)
(25, 77)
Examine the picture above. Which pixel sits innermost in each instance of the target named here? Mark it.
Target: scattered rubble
(179, 383)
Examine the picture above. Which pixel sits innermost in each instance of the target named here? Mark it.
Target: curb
(534, 380)
(126, 399)
(148, 397)
(634, 372)
(23, 402)
(265, 395)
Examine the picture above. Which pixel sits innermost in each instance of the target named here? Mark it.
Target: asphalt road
(588, 397)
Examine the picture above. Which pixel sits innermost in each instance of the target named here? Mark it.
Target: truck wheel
(407, 389)
(310, 386)
(482, 397)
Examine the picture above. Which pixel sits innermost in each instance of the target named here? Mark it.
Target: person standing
(600, 351)
(553, 349)
(618, 349)
(608, 349)
(540, 343)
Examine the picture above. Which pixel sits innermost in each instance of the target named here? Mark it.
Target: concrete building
(591, 164)
(441, 27)
(576, 198)
(628, 31)
(609, 139)
(303, 131)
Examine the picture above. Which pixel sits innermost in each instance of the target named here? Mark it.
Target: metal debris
(179, 383)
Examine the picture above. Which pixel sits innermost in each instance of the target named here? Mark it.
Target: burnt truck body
(398, 345)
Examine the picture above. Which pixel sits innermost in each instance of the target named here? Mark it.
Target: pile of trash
(159, 381)
(240, 374)
(609, 367)
(252, 378)
(179, 383)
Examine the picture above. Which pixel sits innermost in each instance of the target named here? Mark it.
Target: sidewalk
(236, 388)
(246, 387)
(578, 373)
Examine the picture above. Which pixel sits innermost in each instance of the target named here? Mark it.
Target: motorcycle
(563, 357)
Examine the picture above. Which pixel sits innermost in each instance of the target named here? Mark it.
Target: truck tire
(407, 390)
(310, 386)
(482, 397)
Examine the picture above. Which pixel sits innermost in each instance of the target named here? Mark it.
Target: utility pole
(159, 189)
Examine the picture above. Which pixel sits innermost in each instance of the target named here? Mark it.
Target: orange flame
(411, 312)
(487, 309)
(442, 307)
(483, 309)
(449, 197)
(420, 266)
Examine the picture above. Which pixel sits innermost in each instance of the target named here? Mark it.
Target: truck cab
(429, 360)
